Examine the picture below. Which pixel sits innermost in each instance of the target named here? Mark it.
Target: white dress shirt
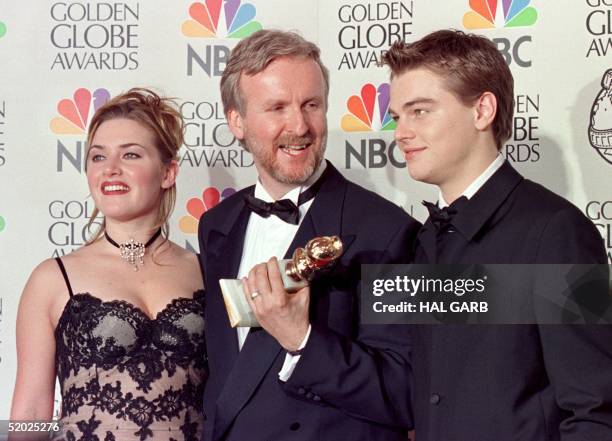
(268, 237)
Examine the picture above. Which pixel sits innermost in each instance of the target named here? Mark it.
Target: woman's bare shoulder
(47, 283)
(188, 262)
(44, 283)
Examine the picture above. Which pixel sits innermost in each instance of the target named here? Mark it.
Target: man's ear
(236, 124)
(485, 111)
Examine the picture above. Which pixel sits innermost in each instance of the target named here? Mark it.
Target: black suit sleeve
(367, 377)
(202, 246)
(578, 358)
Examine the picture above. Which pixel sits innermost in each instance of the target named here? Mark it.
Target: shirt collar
(477, 183)
(293, 194)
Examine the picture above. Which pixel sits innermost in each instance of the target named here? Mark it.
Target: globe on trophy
(600, 126)
(318, 254)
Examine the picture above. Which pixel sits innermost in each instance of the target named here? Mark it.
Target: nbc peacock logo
(487, 14)
(2, 224)
(205, 21)
(74, 114)
(2, 29)
(361, 116)
(196, 207)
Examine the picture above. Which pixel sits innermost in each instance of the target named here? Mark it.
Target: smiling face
(284, 124)
(124, 171)
(445, 142)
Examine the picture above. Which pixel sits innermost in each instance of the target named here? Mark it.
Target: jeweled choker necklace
(133, 251)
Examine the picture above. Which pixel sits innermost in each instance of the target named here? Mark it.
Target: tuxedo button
(301, 391)
(294, 426)
(434, 399)
(309, 395)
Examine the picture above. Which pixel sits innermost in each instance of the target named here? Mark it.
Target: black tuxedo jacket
(352, 381)
(513, 382)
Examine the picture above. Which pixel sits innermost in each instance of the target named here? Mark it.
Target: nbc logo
(75, 112)
(486, 14)
(2, 29)
(361, 116)
(2, 224)
(205, 20)
(196, 207)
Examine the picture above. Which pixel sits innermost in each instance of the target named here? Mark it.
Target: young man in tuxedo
(312, 371)
(452, 98)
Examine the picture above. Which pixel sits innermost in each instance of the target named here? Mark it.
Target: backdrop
(62, 59)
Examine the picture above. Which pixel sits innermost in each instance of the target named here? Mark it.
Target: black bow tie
(285, 209)
(442, 217)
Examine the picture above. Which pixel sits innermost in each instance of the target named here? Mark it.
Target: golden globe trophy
(318, 254)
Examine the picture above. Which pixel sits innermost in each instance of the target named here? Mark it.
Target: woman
(119, 320)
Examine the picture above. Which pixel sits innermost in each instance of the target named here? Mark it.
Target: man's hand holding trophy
(283, 282)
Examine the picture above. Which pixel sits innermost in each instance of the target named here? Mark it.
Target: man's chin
(293, 176)
(418, 175)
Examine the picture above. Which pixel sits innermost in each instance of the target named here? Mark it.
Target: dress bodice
(126, 376)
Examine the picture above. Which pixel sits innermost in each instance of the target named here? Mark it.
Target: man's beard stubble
(268, 161)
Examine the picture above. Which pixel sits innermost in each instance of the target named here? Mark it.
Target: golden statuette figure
(318, 254)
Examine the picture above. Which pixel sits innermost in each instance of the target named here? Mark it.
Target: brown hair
(470, 64)
(254, 53)
(162, 118)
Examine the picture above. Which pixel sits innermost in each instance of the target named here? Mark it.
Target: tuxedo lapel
(224, 251)
(306, 232)
(324, 218)
(427, 241)
(477, 212)
(257, 355)
(486, 202)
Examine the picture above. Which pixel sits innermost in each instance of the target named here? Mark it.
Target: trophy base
(238, 309)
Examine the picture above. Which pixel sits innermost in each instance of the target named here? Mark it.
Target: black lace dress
(124, 376)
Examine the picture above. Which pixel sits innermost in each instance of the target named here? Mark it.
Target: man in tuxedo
(452, 98)
(312, 371)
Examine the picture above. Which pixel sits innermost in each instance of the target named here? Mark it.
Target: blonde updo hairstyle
(161, 116)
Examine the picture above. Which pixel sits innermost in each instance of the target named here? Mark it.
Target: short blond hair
(253, 54)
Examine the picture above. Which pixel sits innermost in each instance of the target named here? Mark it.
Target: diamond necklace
(133, 251)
